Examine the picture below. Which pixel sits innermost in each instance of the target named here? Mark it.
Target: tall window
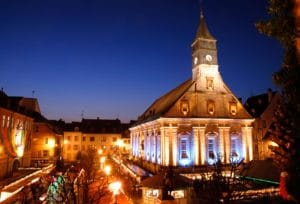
(233, 146)
(92, 139)
(76, 138)
(183, 149)
(211, 148)
(235, 154)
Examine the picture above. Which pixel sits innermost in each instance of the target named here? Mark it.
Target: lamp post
(102, 161)
(115, 188)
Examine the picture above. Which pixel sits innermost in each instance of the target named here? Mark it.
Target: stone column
(202, 145)
(196, 146)
(247, 143)
(221, 144)
(225, 144)
(165, 147)
(174, 146)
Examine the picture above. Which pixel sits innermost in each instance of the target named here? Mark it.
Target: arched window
(235, 148)
(211, 148)
(184, 147)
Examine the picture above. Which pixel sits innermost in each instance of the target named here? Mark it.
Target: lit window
(83, 147)
(46, 140)
(184, 149)
(83, 138)
(75, 147)
(75, 138)
(69, 138)
(177, 194)
(92, 139)
(234, 145)
(211, 148)
(152, 193)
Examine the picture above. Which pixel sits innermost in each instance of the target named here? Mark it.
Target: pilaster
(202, 145)
(247, 143)
(174, 144)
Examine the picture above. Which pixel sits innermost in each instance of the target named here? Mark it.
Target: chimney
(270, 95)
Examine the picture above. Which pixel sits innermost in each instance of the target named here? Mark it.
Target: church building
(197, 122)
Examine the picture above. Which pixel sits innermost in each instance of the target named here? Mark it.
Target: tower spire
(202, 30)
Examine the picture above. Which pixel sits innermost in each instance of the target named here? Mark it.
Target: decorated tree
(285, 130)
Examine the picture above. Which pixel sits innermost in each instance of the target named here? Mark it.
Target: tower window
(210, 83)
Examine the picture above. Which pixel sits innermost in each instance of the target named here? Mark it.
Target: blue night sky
(113, 58)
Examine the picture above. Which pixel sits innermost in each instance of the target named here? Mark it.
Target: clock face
(208, 58)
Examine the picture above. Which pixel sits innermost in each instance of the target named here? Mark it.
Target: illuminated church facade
(197, 122)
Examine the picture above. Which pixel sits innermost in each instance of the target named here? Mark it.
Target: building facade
(262, 108)
(106, 136)
(46, 142)
(15, 135)
(197, 122)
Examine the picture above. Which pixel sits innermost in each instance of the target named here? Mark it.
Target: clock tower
(204, 50)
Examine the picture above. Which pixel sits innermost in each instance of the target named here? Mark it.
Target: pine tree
(285, 130)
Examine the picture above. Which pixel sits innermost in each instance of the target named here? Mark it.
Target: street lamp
(100, 151)
(107, 170)
(102, 161)
(115, 188)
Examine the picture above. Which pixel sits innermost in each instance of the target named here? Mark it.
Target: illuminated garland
(7, 141)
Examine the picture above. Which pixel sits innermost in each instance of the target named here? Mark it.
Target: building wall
(72, 145)
(185, 142)
(15, 143)
(261, 126)
(44, 144)
(105, 143)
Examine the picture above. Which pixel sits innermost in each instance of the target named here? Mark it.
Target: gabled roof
(168, 105)
(105, 126)
(256, 105)
(202, 30)
(164, 103)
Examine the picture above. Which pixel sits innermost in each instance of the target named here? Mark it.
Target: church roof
(168, 105)
(162, 104)
(202, 30)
